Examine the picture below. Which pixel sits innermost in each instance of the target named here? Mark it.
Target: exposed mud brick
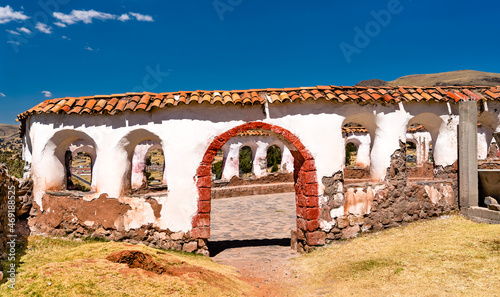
(204, 193)
(201, 232)
(277, 129)
(224, 137)
(201, 220)
(312, 213)
(316, 238)
(312, 225)
(204, 206)
(204, 170)
(298, 144)
(301, 200)
(301, 212)
(308, 165)
(204, 182)
(289, 136)
(311, 189)
(209, 156)
(312, 201)
(307, 155)
(309, 177)
(301, 223)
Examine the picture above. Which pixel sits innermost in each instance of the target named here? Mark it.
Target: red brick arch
(306, 184)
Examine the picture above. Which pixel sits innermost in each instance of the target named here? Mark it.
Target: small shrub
(217, 169)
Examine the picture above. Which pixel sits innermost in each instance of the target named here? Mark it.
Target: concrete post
(467, 154)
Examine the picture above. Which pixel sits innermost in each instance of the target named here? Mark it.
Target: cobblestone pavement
(252, 233)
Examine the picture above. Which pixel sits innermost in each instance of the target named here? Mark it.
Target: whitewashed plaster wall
(185, 132)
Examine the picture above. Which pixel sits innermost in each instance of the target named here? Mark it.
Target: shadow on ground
(216, 247)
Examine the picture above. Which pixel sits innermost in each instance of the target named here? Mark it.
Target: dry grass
(58, 267)
(443, 257)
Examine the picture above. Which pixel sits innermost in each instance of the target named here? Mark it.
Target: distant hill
(9, 138)
(453, 78)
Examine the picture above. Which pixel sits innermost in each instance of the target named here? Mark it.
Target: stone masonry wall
(396, 201)
(72, 216)
(20, 190)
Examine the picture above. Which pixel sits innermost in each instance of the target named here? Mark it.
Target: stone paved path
(252, 233)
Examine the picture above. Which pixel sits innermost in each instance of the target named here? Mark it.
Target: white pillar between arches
(260, 160)
(232, 160)
(390, 130)
(286, 160)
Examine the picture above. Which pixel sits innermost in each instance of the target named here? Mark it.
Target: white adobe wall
(185, 132)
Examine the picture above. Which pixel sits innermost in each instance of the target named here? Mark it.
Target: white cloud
(47, 94)
(89, 48)
(59, 24)
(65, 37)
(24, 29)
(13, 32)
(124, 17)
(2, 95)
(142, 17)
(7, 14)
(85, 16)
(43, 28)
(14, 42)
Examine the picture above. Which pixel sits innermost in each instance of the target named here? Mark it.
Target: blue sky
(80, 48)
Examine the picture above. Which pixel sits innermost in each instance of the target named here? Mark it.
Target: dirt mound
(172, 267)
(137, 259)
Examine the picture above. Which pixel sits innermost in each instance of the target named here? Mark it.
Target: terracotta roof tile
(117, 103)
(130, 105)
(120, 106)
(111, 104)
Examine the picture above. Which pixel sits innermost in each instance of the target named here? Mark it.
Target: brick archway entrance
(305, 178)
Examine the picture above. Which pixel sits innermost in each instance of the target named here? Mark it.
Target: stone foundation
(73, 216)
(349, 209)
(21, 191)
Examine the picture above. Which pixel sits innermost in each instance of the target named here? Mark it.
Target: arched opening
(357, 148)
(246, 162)
(53, 160)
(419, 153)
(79, 159)
(273, 159)
(351, 151)
(411, 153)
(155, 165)
(133, 149)
(488, 152)
(148, 166)
(306, 187)
(80, 171)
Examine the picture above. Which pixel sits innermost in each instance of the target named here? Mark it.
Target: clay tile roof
(117, 103)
